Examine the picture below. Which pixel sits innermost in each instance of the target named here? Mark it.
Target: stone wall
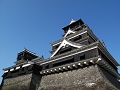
(17, 83)
(112, 79)
(88, 78)
(35, 82)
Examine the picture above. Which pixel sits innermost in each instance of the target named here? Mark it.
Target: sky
(34, 24)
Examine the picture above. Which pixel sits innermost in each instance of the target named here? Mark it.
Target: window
(66, 50)
(78, 38)
(82, 57)
(47, 66)
(63, 62)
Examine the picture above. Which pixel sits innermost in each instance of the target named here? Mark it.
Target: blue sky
(33, 24)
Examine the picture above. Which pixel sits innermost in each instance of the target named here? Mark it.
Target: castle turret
(24, 75)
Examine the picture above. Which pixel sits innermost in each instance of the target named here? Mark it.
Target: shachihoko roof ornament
(72, 21)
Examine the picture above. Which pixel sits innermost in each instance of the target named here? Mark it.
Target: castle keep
(78, 61)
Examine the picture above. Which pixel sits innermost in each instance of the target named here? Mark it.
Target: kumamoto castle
(78, 61)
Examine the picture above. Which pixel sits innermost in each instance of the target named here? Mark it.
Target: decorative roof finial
(72, 21)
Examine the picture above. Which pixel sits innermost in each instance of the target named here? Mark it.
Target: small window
(78, 38)
(63, 62)
(66, 50)
(47, 66)
(82, 57)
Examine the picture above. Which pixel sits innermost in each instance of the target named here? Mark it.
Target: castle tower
(79, 61)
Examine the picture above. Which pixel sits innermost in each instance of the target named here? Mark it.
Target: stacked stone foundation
(17, 83)
(87, 78)
(23, 82)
